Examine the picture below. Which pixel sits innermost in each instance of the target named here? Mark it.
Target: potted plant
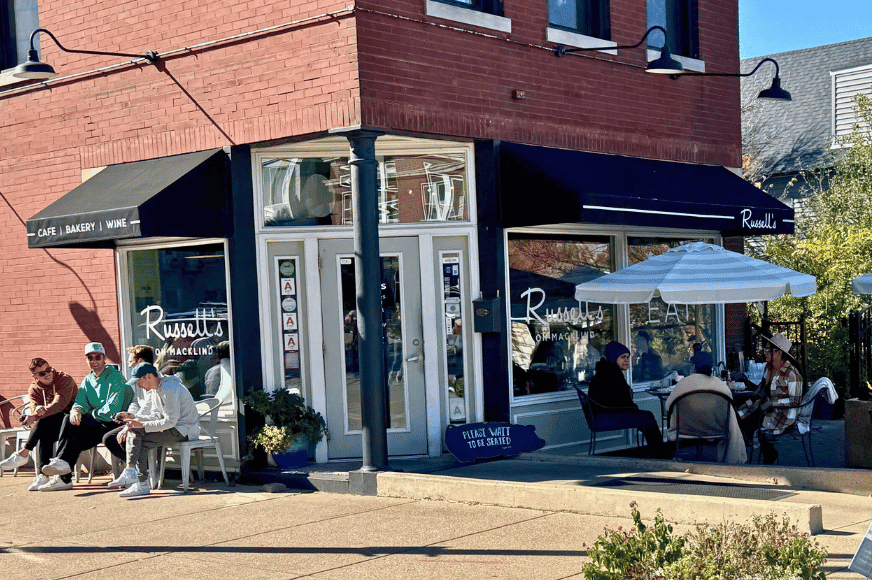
(291, 426)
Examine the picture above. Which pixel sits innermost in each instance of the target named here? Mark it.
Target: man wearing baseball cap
(100, 397)
(162, 414)
(779, 393)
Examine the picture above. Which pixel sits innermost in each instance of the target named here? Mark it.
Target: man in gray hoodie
(162, 414)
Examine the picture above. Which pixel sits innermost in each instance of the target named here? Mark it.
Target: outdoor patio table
(740, 395)
(662, 393)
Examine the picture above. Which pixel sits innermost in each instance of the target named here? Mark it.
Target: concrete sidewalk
(244, 532)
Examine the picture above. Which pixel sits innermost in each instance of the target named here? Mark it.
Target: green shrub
(764, 549)
(639, 553)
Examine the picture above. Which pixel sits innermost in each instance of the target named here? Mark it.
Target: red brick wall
(294, 81)
(735, 314)
(425, 78)
(298, 81)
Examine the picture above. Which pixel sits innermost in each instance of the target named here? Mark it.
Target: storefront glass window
(665, 336)
(452, 301)
(556, 341)
(178, 299)
(391, 302)
(317, 190)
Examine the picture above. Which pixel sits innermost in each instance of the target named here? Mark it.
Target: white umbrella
(697, 273)
(862, 284)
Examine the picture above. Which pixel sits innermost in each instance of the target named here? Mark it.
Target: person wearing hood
(733, 448)
(609, 392)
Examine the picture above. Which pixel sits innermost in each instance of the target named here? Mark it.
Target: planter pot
(297, 455)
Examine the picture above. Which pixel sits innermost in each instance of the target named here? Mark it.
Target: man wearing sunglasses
(100, 397)
(51, 397)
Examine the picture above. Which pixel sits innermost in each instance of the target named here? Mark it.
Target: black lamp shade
(775, 92)
(664, 64)
(33, 68)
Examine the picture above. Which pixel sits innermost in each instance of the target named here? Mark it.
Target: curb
(590, 501)
(832, 479)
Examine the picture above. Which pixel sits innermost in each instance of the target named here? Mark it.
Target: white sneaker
(13, 461)
(55, 483)
(135, 490)
(127, 478)
(56, 466)
(39, 480)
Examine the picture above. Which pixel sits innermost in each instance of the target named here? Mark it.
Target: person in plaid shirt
(775, 406)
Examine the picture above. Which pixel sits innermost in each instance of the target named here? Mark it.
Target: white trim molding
(576, 40)
(468, 16)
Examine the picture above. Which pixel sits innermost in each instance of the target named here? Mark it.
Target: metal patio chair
(610, 419)
(702, 418)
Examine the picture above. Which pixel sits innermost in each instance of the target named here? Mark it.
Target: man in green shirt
(100, 398)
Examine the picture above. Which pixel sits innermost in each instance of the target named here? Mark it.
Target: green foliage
(639, 553)
(287, 410)
(833, 242)
(273, 439)
(764, 549)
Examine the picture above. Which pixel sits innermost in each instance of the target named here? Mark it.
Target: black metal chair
(801, 428)
(601, 419)
(702, 418)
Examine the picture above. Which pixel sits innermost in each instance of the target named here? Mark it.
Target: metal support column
(367, 272)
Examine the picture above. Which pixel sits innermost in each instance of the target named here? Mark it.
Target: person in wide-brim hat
(779, 341)
(775, 408)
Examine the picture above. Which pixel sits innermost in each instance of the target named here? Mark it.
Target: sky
(772, 26)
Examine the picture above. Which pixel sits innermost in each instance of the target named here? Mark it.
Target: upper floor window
(481, 13)
(18, 19)
(488, 6)
(680, 19)
(847, 84)
(587, 17)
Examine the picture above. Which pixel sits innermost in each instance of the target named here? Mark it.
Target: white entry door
(404, 361)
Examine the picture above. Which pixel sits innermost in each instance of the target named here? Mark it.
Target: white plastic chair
(208, 438)
(19, 405)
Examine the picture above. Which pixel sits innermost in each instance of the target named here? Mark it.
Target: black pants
(653, 437)
(749, 425)
(644, 421)
(77, 438)
(111, 442)
(45, 432)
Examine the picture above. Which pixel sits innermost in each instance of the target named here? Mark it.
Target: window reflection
(665, 336)
(179, 299)
(556, 341)
(317, 190)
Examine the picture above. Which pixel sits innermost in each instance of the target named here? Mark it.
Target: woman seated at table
(610, 393)
(701, 380)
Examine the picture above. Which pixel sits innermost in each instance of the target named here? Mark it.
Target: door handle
(415, 358)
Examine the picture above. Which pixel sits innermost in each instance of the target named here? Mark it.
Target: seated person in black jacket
(609, 389)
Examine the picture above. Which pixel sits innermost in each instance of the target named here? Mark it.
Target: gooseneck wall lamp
(773, 93)
(34, 69)
(664, 64)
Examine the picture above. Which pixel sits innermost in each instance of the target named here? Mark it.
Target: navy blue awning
(179, 196)
(541, 186)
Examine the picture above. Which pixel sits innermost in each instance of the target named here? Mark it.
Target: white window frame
(338, 146)
(622, 311)
(468, 16)
(834, 80)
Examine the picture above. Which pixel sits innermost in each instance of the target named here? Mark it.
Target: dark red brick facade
(314, 66)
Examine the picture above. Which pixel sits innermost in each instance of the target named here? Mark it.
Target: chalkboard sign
(862, 560)
(487, 440)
